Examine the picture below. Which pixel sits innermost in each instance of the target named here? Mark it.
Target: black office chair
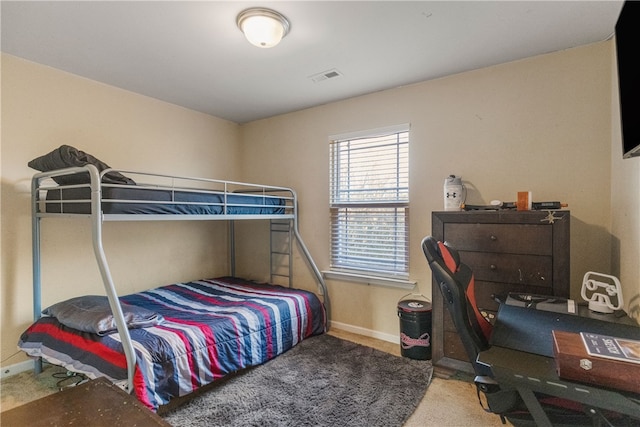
(457, 285)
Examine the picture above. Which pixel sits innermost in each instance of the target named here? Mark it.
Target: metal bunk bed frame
(39, 211)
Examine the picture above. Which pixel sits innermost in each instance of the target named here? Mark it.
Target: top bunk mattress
(162, 201)
(78, 175)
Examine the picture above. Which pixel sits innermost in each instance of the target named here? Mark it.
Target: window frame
(340, 268)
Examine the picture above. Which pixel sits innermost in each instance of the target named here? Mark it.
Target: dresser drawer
(531, 270)
(504, 238)
(454, 348)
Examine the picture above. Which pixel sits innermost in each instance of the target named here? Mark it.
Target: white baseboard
(16, 368)
(366, 332)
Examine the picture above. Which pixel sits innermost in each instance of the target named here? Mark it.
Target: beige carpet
(450, 399)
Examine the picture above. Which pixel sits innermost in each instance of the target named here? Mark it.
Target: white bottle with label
(453, 193)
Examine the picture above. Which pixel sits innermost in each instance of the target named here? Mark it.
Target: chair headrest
(450, 256)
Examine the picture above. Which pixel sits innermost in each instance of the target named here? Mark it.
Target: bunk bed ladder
(280, 252)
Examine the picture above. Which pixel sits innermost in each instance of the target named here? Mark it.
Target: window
(369, 193)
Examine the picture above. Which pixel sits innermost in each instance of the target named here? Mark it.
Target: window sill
(369, 280)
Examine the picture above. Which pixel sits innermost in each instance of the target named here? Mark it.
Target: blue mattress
(145, 200)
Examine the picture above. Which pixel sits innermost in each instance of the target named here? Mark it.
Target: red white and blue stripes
(212, 328)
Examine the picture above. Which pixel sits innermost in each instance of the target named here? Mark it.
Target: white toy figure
(599, 293)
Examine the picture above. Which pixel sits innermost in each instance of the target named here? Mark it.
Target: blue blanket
(211, 328)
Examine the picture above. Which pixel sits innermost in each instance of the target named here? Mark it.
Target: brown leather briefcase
(574, 363)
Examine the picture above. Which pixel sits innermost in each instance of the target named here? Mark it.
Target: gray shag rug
(323, 381)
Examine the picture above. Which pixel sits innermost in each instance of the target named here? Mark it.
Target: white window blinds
(370, 203)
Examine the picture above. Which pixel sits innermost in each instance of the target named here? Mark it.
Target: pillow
(65, 157)
(92, 313)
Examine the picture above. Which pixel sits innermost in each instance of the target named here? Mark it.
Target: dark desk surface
(521, 356)
(529, 330)
(519, 369)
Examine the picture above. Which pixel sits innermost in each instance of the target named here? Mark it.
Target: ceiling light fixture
(263, 27)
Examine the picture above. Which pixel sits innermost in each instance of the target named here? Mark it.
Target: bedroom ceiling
(192, 54)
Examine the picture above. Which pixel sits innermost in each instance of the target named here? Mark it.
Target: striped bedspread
(212, 328)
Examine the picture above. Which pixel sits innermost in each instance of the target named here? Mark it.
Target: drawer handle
(493, 267)
(493, 238)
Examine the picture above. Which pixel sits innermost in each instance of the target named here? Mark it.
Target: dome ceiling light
(263, 27)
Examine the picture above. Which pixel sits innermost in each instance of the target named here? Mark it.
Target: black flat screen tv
(628, 50)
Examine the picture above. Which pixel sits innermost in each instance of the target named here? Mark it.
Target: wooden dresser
(508, 251)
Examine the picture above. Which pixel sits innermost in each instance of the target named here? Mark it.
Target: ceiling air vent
(325, 75)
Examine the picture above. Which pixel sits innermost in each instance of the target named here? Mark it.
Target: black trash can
(415, 328)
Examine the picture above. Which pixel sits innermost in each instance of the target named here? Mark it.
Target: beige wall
(625, 212)
(542, 124)
(43, 108)
(625, 228)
